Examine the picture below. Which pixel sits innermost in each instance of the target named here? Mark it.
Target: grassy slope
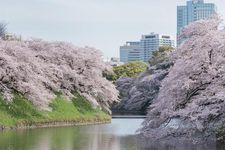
(22, 113)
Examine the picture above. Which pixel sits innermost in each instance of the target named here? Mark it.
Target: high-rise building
(193, 10)
(142, 50)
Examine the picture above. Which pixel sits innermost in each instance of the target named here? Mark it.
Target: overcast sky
(103, 24)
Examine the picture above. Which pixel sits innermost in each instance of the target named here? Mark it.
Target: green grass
(21, 112)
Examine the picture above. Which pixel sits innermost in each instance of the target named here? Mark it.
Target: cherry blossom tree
(38, 70)
(137, 93)
(191, 100)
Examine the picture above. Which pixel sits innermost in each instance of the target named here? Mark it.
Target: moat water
(119, 135)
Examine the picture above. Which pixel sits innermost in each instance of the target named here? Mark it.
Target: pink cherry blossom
(191, 100)
(39, 69)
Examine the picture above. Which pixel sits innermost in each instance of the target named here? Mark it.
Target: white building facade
(143, 49)
(152, 42)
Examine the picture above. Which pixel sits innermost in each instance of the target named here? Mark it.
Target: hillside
(39, 72)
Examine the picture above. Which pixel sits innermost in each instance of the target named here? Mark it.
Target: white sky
(103, 24)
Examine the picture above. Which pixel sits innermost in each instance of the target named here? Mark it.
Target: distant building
(12, 37)
(131, 51)
(114, 61)
(152, 42)
(142, 50)
(193, 10)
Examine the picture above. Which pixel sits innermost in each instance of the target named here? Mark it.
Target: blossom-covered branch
(191, 100)
(39, 69)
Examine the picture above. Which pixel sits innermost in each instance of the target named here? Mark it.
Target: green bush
(81, 104)
(131, 69)
(220, 135)
(20, 107)
(160, 55)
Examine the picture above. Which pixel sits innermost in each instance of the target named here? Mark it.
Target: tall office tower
(143, 49)
(193, 10)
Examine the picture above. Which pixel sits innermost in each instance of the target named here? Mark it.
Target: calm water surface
(119, 135)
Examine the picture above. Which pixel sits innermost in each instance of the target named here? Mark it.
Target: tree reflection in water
(116, 136)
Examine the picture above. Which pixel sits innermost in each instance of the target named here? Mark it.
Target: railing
(128, 116)
(128, 113)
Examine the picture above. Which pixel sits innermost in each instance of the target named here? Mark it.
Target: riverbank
(20, 113)
(54, 125)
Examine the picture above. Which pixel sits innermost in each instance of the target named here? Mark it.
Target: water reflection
(95, 137)
(120, 135)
